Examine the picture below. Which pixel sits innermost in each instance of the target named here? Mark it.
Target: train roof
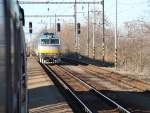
(44, 37)
(48, 35)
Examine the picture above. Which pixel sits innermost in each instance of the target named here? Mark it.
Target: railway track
(132, 97)
(133, 100)
(131, 82)
(114, 77)
(88, 98)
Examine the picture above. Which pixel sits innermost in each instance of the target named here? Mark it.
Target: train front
(49, 49)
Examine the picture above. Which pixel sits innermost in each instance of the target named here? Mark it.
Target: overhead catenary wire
(48, 2)
(38, 16)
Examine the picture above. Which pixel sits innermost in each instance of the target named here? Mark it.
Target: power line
(27, 2)
(40, 16)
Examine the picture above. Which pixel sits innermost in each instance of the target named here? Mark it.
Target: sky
(128, 10)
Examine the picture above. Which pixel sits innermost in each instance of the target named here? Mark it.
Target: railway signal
(78, 28)
(78, 38)
(30, 27)
(58, 27)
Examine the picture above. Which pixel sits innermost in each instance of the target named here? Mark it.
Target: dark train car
(13, 93)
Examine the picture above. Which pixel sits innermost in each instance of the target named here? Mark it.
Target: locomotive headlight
(55, 56)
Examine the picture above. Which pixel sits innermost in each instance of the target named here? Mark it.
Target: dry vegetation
(133, 44)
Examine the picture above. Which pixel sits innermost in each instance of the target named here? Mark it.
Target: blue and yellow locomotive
(47, 48)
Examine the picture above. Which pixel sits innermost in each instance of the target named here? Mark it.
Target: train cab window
(45, 41)
(54, 41)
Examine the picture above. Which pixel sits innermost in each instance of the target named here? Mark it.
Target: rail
(86, 109)
(121, 109)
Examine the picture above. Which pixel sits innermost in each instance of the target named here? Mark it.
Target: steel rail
(87, 110)
(121, 109)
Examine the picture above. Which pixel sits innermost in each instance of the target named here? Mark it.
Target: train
(47, 48)
(13, 76)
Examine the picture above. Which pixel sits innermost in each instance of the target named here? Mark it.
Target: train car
(47, 48)
(13, 92)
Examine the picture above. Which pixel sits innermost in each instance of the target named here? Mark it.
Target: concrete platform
(44, 96)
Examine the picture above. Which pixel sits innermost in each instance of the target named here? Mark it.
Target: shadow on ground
(42, 96)
(81, 58)
(135, 102)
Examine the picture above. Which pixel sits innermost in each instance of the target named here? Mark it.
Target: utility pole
(75, 22)
(94, 32)
(55, 24)
(49, 18)
(141, 55)
(78, 38)
(116, 37)
(103, 41)
(88, 30)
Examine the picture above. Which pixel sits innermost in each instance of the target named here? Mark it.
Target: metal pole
(55, 24)
(29, 42)
(49, 18)
(88, 31)
(50, 21)
(75, 22)
(103, 43)
(78, 36)
(141, 55)
(116, 38)
(94, 33)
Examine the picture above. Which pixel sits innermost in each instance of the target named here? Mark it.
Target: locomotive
(13, 91)
(47, 48)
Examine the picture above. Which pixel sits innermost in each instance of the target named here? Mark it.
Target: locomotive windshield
(54, 41)
(45, 41)
(49, 41)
